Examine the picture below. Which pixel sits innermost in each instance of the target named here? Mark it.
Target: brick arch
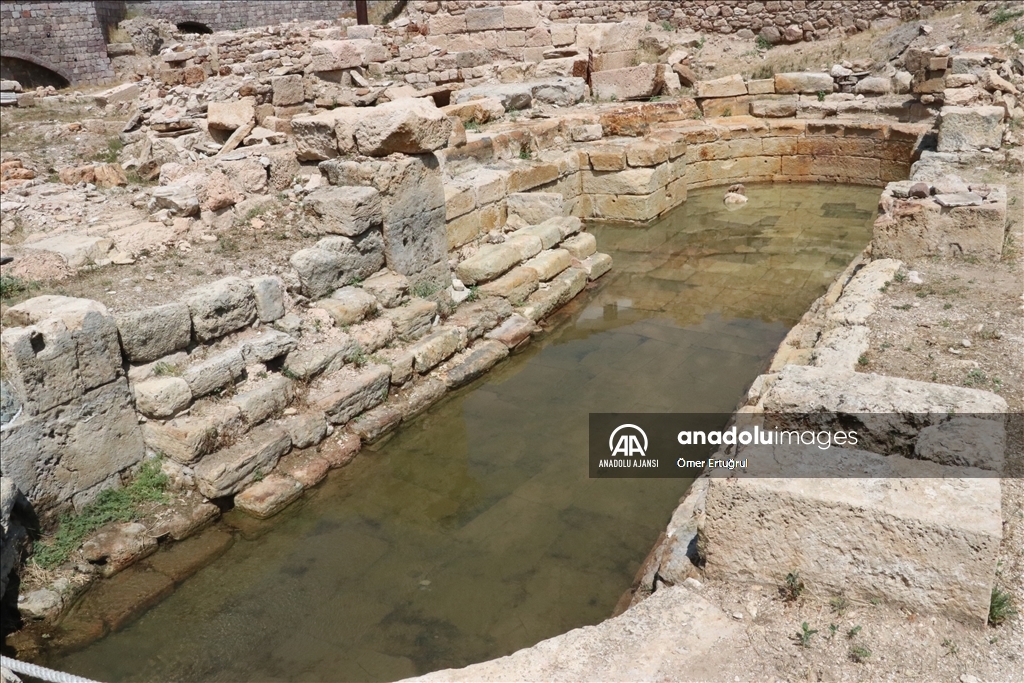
(32, 59)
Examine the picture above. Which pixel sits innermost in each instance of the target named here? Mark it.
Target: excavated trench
(474, 531)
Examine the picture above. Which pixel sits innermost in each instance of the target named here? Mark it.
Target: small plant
(258, 475)
(804, 635)
(165, 369)
(900, 277)
(821, 95)
(1005, 14)
(839, 605)
(114, 147)
(111, 505)
(852, 633)
(11, 286)
(762, 43)
(1018, 37)
(666, 25)
(863, 360)
(474, 293)
(227, 245)
(700, 43)
(793, 587)
(357, 357)
(903, 307)
(951, 647)
(1001, 607)
(425, 290)
(859, 654)
(525, 153)
(471, 126)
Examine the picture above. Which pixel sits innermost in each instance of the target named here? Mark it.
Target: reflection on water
(475, 531)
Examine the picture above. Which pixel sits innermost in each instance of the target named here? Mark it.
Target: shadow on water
(474, 531)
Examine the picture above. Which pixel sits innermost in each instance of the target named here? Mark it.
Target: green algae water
(474, 531)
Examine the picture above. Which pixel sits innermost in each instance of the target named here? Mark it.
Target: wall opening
(194, 27)
(30, 74)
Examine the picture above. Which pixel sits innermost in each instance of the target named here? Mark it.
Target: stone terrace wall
(805, 19)
(222, 16)
(65, 37)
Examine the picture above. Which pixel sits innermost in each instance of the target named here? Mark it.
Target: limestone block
(92, 328)
(268, 291)
(349, 305)
(334, 55)
(438, 346)
(477, 111)
(561, 290)
(266, 400)
(186, 438)
(485, 18)
(119, 93)
(389, 288)
(964, 441)
(116, 546)
(231, 469)
(925, 539)
(474, 363)
(647, 153)
(841, 347)
(41, 363)
(563, 91)
(350, 392)
(336, 261)
(231, 115)
(266, 345)
(288, 90)
(763, 86)
(607, 158)
(729, 86)
(586, 132)
(874, 85)
(413, 319)
(548, 233)
(376, 422)
(305, 429)
(805, 82)
(596, 265)
(913, 228)
(514, 331)
(479, 317)
(857, 302)
(77, 250)
(53, 456)
(420, 395)
(155, 332)
(535, 207)
(488, 263)
(784, 107)
(970, 128)
(374, 334)
(217, 372)
(513, 96)
(549, 263)
(632, 181)
(268, 497)
(515, 285)
(580, 246)
(306, 364)
(221, 307)
(442, 24)
(567, 225)
(161, 397)
(637, 82)
(348, 211)
(409, 126)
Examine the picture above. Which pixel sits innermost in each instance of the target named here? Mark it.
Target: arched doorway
(30, 74)
(193, 27)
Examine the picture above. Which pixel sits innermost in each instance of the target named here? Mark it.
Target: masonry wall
(65, 37)
(222, 16)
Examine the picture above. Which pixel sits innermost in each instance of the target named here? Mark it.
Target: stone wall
(787, 20)
(223, 16)
(64, 37)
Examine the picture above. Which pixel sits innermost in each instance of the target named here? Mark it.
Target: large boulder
(221, 307)
(348, 211)
(970, 128)
(336, 261)
(408, 126)
(154, 332)
(231, 115)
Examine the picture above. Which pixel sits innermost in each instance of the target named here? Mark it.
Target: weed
(821, 95)
(946, 306)
(859, 654)
(114, 147)
(258, 475)
(951, 647)
(474, 293)
(903, 307)
(852, 633)
(763, 71)
(1005, 14)
(700, 43)
(227, 245)
(525, 153)
(471, 126)
(1001, 607)
(900, 277)
(357, 357)
(666, 25)
(164, 369)
(839, 605)
(803, 636)
(793, 588)
(762, 43)
(886, 345)
(1018, 37)
(11, 286)
(975, 377)
(425, 290)
(833, 629)
(863, 360)
(885, 286)
(111, 505)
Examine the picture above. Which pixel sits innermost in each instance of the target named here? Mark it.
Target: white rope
(41, 672)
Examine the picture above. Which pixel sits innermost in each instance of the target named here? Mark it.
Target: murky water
(475, 531)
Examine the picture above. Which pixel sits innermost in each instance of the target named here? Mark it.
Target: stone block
(535, 207)
(268, 497)
(806, 82)
(348, 211)
(563, 91)
(637, 82)
(607, 158)
(337, 261)
(187, 438)
(515, 285)
(580, 246)
(776, 108)
(928, 545)
(268, 291)
(562, 289)
(266, 345)
(116, 546)
(485, 18)
(728, 86)
(596, 265)
(266, 400)
(389, 288)
(231, 115)
(513, 96)
(155, 332)
(77, 250)
(548, 234)
(413, 319)
(305, 429)
(436, 347)
(335, 55)
(349, 305)
(970, 128)
(162, 397)
(231, 469)
(221, 307)
(288, 90)
(474, 363)
(376, 422)
(216, 373)
(514, 331)
(351, 392)
(317, 135)
(763, 86)
(647, 154)
(479, 317)
(374, 334)
(305, 364)
(632, 181)
(41, 363)
(549, 263)
(488, 263)
(407, 126)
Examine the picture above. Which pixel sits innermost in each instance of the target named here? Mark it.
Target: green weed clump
(112, 505)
